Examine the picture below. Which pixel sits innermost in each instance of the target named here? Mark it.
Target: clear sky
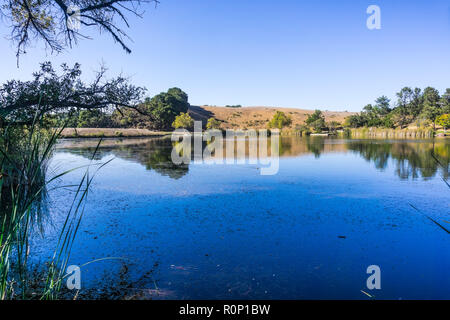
(285, 53)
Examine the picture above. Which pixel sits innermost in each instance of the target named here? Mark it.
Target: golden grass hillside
(231, 118)
(257, 117)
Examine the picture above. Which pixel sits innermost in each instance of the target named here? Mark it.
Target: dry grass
(258, 117)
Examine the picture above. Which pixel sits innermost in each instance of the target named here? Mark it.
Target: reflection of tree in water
(160, 160)
(315, 145)
(412, 159)
(154, 154)
(378, 153)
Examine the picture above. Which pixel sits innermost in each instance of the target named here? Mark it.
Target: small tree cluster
(444, 121)
(183, 121)
(280, 120)
(316, 121)
(158, 112)
(213, 124)
(412, 106)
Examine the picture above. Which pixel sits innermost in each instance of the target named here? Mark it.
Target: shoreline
(76, 133)
(372, 133)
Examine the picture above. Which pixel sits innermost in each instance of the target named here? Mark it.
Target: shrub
(280, 120)
(444, 121)
(213, 124)
(184, 121)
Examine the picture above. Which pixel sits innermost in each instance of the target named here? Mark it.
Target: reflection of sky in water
(228, 232)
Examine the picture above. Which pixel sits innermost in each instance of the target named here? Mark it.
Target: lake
(202, 231)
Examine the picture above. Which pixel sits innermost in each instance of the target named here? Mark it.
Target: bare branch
(47, 20)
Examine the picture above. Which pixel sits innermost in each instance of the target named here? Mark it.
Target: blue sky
(286, 53)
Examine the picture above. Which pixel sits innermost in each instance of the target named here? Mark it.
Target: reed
(24, 157)
(392, 133)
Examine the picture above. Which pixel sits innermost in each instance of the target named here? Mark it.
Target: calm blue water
(226, 232)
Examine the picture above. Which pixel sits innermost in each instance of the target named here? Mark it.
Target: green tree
(417, 102)
(318, 125)
(356, 121)
(165, 107)
(445, 101)
(213, 124)
(303, 129)
(85, 118)
(129, 118)
(179, 94)
(333, 125)
(372, 115)
(444, 121)
(431, 105)
(316, 121)
(382, 105)
(94, 119)
(388, 121)
(409, 105)
(314, 117)
(21, 102)
(156, 113)
(280, 120)
(184, 121)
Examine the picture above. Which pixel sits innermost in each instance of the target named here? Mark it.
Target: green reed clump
(24, 155)
(385, 133)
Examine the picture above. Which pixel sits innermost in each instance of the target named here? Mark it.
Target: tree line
(63, 100)
(422, 108)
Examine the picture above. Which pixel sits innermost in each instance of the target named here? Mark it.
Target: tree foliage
(213, 123)
(444, 121)
(165, 107)
(412, 105)
(431, 104)
(445, 101)
(316, 121)
(317, 115)
(280, 120)
(184, 121)
(22, 102)
(409, 105)
(333, 126)
(383, 105)
(158, 112)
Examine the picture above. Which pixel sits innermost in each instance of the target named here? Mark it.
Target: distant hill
(257, 117)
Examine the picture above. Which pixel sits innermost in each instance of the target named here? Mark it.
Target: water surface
(203, 231)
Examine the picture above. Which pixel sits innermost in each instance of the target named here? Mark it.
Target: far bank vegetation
(415, 113)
